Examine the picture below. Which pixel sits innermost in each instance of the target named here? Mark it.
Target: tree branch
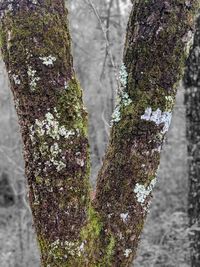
(36, 48)
(154, 56)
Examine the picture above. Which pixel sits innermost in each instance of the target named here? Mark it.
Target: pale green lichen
(142, 192)
(116, 116)
(123, 75)
(61, 250)
(50, 127)
(48, 61)
(123, 100)
(33, 78)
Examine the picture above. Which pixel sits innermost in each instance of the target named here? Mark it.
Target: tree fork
(35, 43)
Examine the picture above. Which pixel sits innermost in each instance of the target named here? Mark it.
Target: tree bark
(72, 230)
(154, 57)
(36, 48)
(192, 100)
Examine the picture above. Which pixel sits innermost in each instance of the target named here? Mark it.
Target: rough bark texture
(36, 49)
(154, 57)
(35, 42)
(192, 102)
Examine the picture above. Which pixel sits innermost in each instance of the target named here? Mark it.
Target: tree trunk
(154, 57)
(71, 229)
(192, 102)
(36, 48)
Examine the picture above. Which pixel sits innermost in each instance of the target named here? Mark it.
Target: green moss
(39, 180)
(70, 104)
(109, 252)
(90, 234)
(2, 37)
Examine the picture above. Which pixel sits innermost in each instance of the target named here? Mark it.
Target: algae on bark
(72, 229)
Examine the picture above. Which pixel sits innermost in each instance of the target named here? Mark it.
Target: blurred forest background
(98, 34)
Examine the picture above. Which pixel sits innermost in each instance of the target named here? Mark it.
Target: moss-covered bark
(192, 102)
(154, 56)
(36, 48)
(73, 231)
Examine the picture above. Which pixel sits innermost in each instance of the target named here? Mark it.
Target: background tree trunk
(37, 51)
(192, 100)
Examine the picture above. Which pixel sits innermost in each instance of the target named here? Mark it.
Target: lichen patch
(33, 78)
(48, 61)
(142, 192)
(127, 252)
(50, 127)
(123, 75)
(158, 117)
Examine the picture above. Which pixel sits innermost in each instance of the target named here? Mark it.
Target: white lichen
(126, 99)
(123, 75)
(17, 103)
(10, 7)
(124, 216)
(142, 192)
(48, 61)
(80, 162)
(55, 150)
(81, 248)
(16, 79)
(158, 117)
(66, 86)
(146, 208)
(116, 116)
(72, 248)
(122, 100)
(127, 252)
(50, 127)
(33, 78)
(188, 39)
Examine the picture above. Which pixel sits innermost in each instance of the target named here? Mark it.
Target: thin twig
(107, 36)
(91, 4)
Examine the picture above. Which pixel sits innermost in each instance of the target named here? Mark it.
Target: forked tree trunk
(192, 102)
(72, 229)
